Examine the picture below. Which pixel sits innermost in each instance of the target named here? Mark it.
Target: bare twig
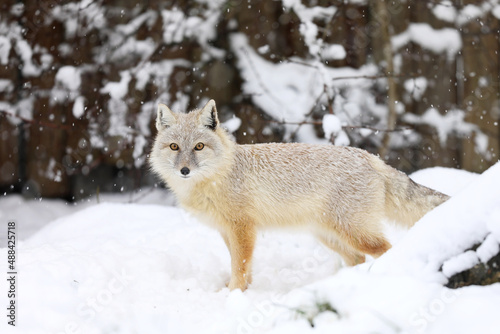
(294, 133)
(397, 129)
(353, 77)
(345, 127)
(373, 77)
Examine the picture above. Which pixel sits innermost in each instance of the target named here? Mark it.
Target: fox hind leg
(351, 256)
(359, 234)
(366, 238)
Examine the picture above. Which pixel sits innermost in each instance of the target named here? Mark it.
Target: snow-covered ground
(148, 267)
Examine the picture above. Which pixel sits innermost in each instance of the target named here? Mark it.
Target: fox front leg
(226, 241)
(240, 241)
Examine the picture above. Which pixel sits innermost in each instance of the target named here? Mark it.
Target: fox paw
(237, 285)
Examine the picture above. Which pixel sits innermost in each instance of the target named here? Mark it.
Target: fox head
(189, 147)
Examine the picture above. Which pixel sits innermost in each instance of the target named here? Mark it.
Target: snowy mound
(403, 291)
(130, 268)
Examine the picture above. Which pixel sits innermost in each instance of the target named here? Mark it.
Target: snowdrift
(136, 268)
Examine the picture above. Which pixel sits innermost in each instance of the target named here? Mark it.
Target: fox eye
(199, 147)
(174, 147)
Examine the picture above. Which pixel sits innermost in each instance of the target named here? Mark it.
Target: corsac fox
(340, 194)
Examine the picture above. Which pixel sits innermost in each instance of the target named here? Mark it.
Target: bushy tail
(405, 200)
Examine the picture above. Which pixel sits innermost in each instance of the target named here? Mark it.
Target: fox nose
(185, 171)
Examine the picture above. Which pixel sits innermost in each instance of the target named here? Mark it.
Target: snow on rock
(446, 231)
(460, 263)
(493, 225)
(436, 40)
(489, 248)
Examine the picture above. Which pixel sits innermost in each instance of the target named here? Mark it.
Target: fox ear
(208, 116)
(165, 117)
